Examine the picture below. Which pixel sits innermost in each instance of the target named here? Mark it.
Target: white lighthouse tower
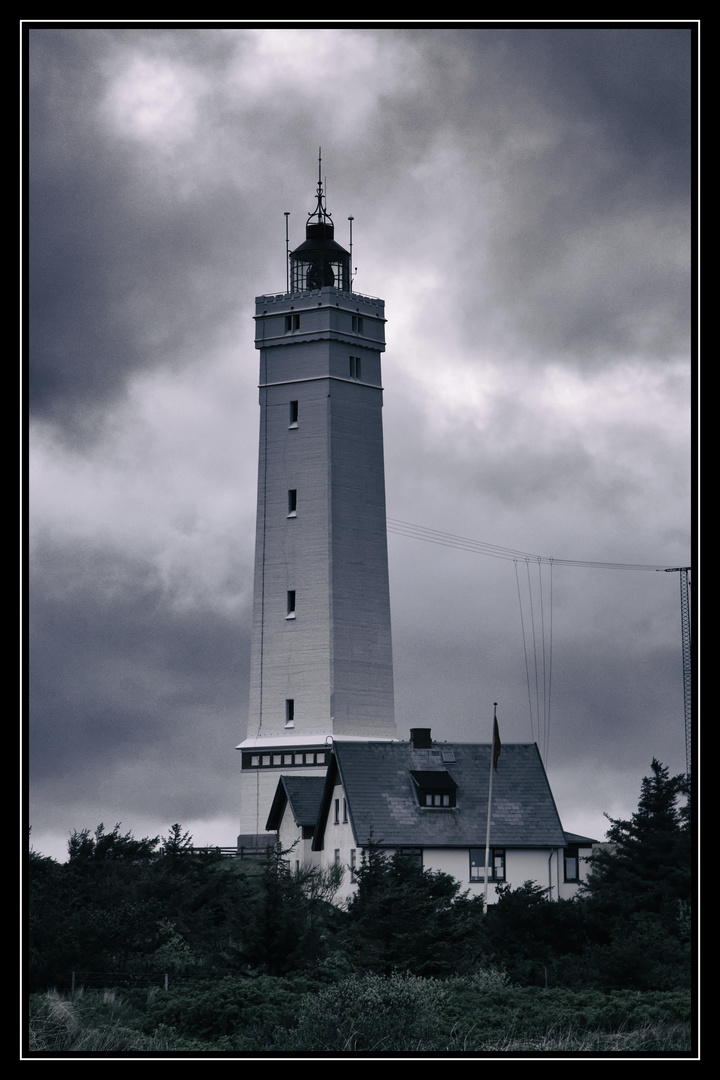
(321, 663)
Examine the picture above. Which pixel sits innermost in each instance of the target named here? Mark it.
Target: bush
(227, 1007)
(370, 1013)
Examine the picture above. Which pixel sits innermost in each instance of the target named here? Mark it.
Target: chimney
(420, 738)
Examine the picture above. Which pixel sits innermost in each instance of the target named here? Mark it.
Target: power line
(495, 551)
(541, 723)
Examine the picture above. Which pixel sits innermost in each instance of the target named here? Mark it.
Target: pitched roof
(581, 841)
(376, 778)
(303, 793)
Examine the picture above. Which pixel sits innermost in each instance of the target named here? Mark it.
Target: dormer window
(434, 788)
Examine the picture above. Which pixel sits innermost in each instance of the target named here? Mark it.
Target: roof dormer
(435, 788)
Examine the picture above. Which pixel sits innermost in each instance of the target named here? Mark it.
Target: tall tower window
(357, 324)
(292, 502)
(290, 604)
(293, 414)
(292, 322)
(289, 712)
(355, 368)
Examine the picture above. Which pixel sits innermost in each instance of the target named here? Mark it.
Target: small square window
(496, 867)
(412, 855)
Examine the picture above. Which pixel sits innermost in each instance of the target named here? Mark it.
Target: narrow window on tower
(355, 367)
(289, 712)
(292, 502)
(293, 414)
(357, 324)
(290, 604)
(292, 322)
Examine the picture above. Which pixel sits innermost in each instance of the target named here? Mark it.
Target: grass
(105, 1021)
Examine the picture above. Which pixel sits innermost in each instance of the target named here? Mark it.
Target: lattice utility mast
(684, 572)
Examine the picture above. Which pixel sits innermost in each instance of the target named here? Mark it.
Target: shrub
(370, 1013)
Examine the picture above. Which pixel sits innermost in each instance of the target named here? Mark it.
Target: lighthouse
(321, 655)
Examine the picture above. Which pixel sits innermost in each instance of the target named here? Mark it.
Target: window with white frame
(496, 864)
(571, 861)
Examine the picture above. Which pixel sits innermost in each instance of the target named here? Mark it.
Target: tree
(533, 939)
(404, 918)
(176, 842)
(648, 868)
(638, 897)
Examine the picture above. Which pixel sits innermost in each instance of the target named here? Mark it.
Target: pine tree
(639, 893)
(648, 869)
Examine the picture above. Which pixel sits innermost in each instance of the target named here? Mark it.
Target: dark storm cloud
(117, 670)
(581, 144)
(123, 271)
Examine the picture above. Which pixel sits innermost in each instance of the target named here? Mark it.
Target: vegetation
(177, 950)
(360, 1014)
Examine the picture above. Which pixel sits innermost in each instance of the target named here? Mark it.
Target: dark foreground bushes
(361, 1014)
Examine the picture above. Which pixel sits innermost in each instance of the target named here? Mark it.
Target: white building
(321, 765)
(429, 801)
(321, 662)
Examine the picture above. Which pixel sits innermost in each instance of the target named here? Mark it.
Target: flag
(497, 745)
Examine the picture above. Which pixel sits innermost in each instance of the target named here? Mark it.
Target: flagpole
(493, 762)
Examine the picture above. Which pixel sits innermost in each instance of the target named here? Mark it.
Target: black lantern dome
(319, 260)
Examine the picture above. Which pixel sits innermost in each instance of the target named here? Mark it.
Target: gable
(303, 794)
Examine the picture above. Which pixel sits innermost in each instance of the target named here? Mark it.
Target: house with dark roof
(293, 816)
(429, 800)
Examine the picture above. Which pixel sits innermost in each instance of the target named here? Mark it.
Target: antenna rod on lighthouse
(287, 253)
(351, 219)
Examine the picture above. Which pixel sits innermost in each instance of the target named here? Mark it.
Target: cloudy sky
(522, 202)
